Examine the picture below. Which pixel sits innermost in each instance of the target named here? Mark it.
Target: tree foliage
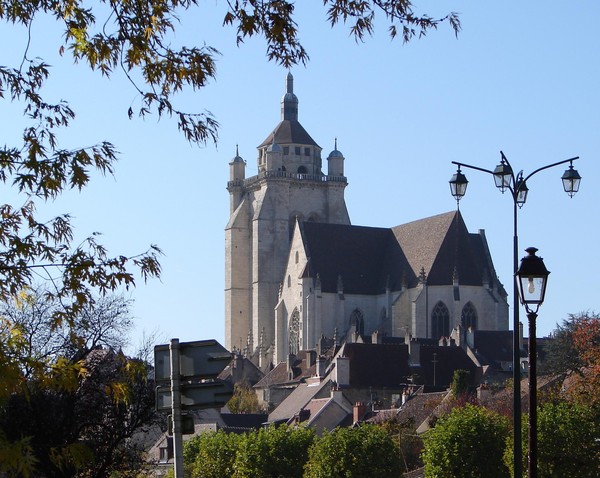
(404, 433)
(267, 453)
(70, 404)
(568, 441)
(210, 455)
(460, 383)
(468, 442)
(274, 452)
(244, 399)
(575, 352)
(561, 355)
(353, 453)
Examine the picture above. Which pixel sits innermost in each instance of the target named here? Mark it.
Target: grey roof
(438, 364)
(279, 374)
(494, 345)
(441, 243)
(368, 258)
(298, 400)
(377, 365)
(289, 132)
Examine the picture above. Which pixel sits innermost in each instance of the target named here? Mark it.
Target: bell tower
(290, 185)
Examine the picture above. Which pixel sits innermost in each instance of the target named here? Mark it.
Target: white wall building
(295, 269)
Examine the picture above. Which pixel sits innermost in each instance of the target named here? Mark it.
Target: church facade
(296, 270)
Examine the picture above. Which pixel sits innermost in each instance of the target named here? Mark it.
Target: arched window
(440, 321)
(357, 321)
(297, 257)
(294, 333)
(289, 281)
(468, 317)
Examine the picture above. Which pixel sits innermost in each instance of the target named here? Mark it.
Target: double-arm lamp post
(505, 179)
(533, 278)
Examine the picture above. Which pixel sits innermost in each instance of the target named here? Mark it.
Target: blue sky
(522, 77)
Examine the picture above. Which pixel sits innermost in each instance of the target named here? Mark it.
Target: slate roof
(289, 132)
(440, 243)
(494, 345)
(279, 374)
(368, 258)
(420, 406)
(377, 365)
(447, 360)
(298, 399)
(364, 257)
(243, 422)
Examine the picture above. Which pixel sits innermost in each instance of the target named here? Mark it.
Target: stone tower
(290, 186)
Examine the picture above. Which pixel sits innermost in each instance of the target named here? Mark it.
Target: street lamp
(505, 179)
(533, 277)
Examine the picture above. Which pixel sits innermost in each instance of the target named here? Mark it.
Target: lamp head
(571, 180)
(503, 175)
(458, 185)
(533, 278)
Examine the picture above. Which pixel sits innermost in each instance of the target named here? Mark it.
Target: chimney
(405, 395)
(321, 366)
(359, 411)
(311, 356)
(342, 371)
(414, 353)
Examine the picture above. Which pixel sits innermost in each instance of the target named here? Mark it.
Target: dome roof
(335, 153)
(237, 158)
(274, 147)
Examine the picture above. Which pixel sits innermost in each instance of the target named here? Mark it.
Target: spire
(289, 102)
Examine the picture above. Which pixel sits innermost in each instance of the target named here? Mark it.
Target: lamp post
(533, 278)
(505, 179)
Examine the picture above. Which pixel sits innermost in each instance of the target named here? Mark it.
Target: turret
(274, 157)
(235, 186)
(237, 167)
(335, 162)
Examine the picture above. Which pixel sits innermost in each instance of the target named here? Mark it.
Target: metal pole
(517, 434)
(532, 316)
(176, 409)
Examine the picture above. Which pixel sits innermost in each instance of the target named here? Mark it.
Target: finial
(335, 147)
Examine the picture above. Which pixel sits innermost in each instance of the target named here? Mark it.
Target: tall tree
(72, 404)
(585, 388)
(561, 354)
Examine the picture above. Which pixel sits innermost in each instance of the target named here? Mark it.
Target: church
(297, 271)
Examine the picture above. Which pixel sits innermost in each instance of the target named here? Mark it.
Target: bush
(468, 442)
(368, 451)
